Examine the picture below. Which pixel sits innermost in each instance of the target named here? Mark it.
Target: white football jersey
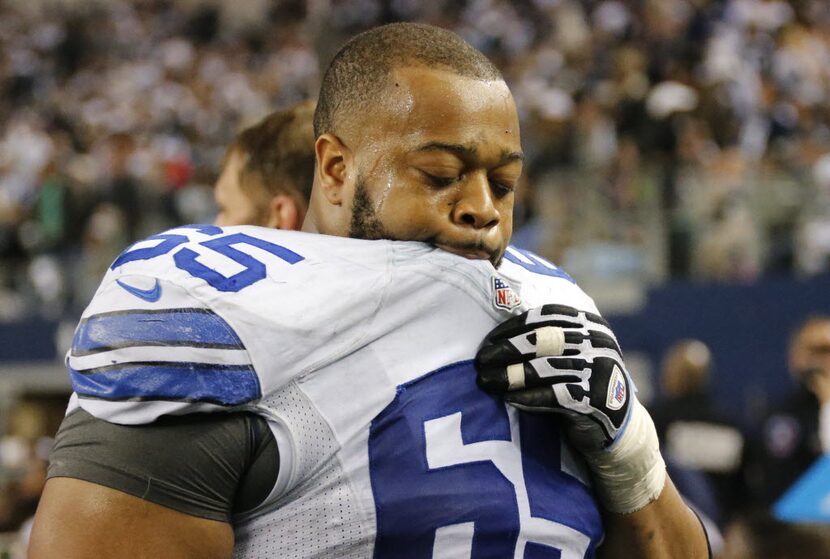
(359, 354)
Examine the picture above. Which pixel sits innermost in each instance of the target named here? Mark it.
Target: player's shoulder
(237, 265)
(188, 319)
(538, 281)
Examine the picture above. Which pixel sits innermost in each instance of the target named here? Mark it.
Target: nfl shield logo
(616, 390)
(503, 295)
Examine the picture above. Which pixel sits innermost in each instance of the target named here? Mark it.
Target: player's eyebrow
(470, 152)
(510, 156)
(459, 150)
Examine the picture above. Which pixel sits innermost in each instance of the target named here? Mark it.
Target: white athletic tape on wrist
(550, 341)
(631, 473)
(515, 376)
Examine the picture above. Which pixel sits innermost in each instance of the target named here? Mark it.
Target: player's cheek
(424, 215)
(506, 227)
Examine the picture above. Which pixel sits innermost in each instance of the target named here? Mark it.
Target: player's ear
(332, 166)
(284, 213)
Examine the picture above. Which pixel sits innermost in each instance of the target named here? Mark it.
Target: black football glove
(562, 360)
(558, 359)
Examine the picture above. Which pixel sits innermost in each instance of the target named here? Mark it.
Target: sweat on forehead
(360, 72)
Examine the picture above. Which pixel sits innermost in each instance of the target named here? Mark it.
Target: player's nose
(475, 205)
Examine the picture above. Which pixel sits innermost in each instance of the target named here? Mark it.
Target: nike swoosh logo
(150, 295)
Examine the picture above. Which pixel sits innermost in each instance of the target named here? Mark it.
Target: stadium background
(678, 163)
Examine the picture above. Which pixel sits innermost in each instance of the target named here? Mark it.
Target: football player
(257, 393)
(267, 173)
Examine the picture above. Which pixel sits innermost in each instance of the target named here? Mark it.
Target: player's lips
(467, 252)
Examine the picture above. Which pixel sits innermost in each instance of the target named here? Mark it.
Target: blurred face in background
(268, 170)
(810, 351)
(685, 369)
(235, 206)
(437, 162)
(243, 199)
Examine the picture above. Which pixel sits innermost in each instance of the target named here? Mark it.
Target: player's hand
(557, 359)
(562, 360)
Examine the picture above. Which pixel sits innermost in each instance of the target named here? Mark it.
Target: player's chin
(497, 257)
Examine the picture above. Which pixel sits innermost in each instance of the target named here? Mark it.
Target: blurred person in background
(121, 188)
(268, 170)
(762, 537)
(24, 454)
(796, 432)
(696, 435)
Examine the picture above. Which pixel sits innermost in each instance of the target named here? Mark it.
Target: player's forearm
(646, 517)
(663, 529)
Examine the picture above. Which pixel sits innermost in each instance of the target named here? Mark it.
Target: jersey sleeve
(202, 319)
(133, 359)
(207, 465)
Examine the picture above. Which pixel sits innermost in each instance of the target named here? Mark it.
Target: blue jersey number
(455, 473)
(187, 259)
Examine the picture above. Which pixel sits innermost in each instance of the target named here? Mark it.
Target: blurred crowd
(665, 138)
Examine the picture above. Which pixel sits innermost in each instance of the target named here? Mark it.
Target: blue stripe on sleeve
(226, 385)
(536, 264)
(170, 327)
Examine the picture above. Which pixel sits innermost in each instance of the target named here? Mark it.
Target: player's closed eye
(501, 189)
(441, 182)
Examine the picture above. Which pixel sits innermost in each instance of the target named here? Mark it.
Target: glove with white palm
(561, 360)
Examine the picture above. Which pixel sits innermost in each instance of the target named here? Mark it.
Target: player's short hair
(358, 73)
(277, 153)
